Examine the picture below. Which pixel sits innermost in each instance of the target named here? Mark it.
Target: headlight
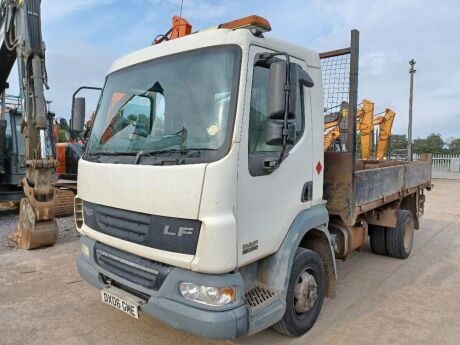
(208, 295)
(84, 250)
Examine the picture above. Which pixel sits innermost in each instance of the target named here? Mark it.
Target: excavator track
(63, 202)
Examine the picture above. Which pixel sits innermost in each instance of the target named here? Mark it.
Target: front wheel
(305, 294)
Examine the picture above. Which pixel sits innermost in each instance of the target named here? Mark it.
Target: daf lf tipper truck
(205, 198)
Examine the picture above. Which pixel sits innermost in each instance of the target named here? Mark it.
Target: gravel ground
(380, 300)
(9, 220)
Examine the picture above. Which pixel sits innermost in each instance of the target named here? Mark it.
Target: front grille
(165, 233)
(132, 227)
(126, 288)
(258, 296)
(140, 271)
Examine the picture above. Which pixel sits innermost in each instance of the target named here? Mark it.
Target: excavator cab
(12, 165)
(14, 148)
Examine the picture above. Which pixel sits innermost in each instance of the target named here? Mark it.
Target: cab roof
(213, 37)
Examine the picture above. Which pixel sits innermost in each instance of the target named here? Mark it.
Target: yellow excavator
(331, 133)
(332, 127)
(366, 122)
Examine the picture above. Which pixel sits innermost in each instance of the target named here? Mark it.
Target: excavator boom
(386, 124)
(366, 121)
(366, 127)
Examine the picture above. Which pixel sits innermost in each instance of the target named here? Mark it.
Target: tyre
(377, 239)
(399, 240)
(305, 294)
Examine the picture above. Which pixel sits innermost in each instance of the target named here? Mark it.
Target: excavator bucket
(30, 233)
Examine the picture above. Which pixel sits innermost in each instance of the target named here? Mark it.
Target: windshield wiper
(97, 155)
(112, 153)
(192, 152)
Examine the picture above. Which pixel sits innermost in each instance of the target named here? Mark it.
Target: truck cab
(175, 177)
(200, 193)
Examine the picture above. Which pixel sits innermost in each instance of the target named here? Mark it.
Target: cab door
(268, 202)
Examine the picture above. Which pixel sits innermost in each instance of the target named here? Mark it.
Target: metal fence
(340, 89)
(444, 166)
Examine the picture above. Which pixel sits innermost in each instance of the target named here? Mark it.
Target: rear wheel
(305, 294)
(377, 239)
(399, 240)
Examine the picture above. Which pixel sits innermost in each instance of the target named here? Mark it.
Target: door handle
(307, 192)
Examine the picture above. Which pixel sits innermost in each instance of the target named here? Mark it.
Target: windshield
(179, 103)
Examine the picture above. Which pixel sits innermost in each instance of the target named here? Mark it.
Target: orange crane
(180, 27)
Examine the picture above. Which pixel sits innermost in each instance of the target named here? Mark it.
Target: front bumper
(168, 306)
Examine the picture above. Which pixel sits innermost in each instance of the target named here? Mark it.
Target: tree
(434, 143)
(132, 117)
(454, 147)
(398, 142)
(419, 145)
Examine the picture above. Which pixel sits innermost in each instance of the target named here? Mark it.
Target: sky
(83, 37)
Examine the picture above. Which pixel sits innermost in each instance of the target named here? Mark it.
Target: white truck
(205, 198)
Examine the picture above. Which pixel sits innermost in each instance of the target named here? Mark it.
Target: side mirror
(276, 92)
(274, 133)
(78, 114)
(277, 82)
(77, 121)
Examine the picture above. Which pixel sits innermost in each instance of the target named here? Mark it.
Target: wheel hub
(408, 236)
(305, 293)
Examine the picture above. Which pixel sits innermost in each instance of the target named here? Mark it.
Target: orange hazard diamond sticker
(319, 167)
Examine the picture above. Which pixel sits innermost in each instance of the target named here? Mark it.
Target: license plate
(121, 300)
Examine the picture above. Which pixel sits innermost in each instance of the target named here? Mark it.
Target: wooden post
(411, 95)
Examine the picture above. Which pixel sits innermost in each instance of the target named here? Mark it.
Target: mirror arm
(287, 93)
(83, 88)
(73, 103)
